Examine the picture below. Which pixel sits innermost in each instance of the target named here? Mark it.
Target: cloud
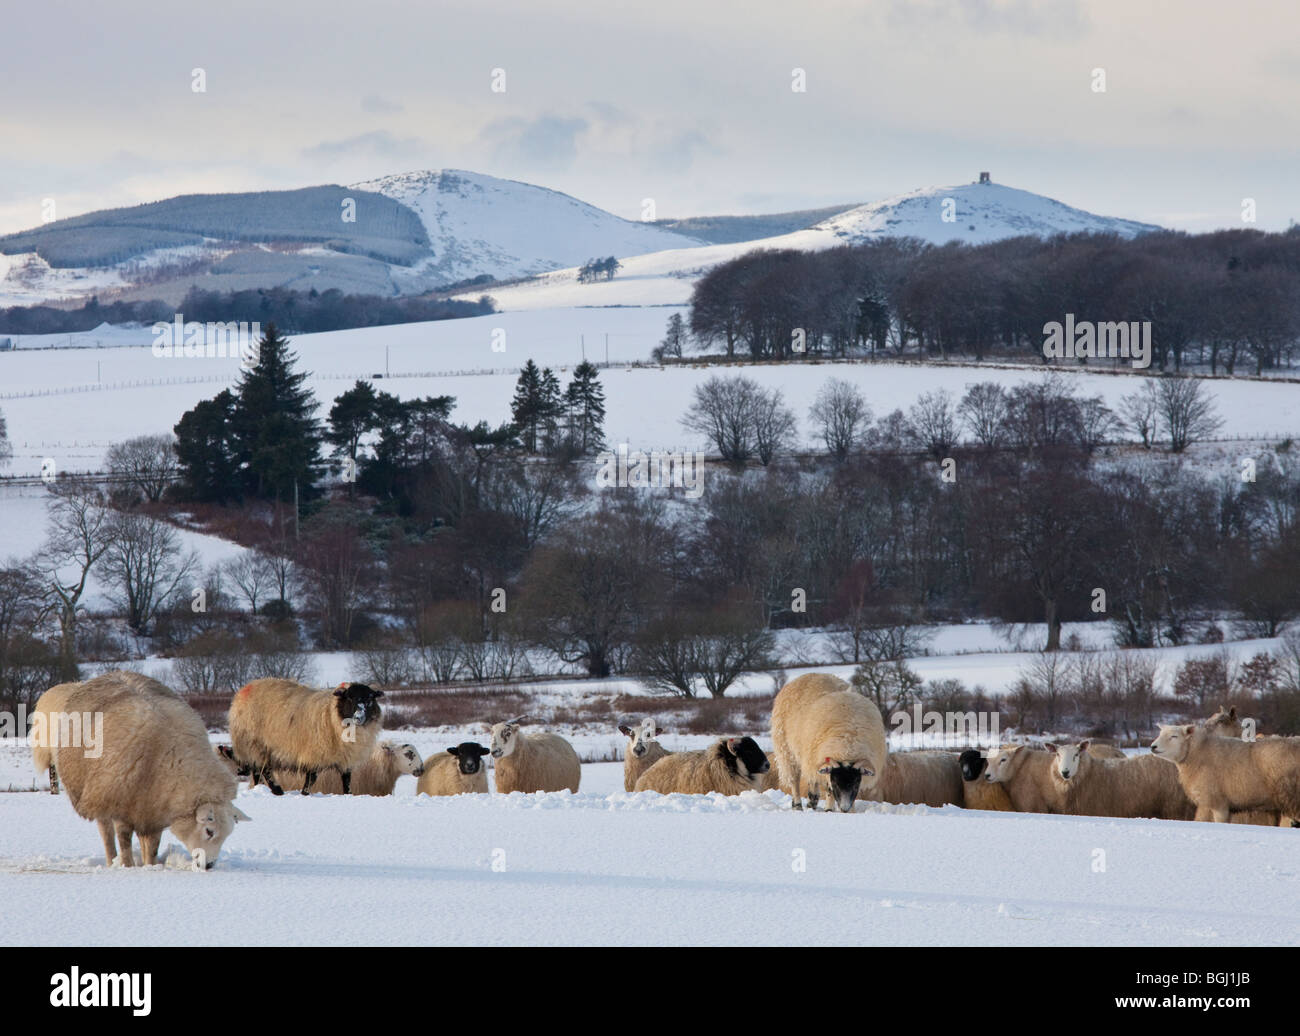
(548, 141)
(1060, 19)
(376, 105)
(377, 143)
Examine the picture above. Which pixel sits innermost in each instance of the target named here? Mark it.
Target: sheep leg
(110, 842)
(270, 782)
(1221, 816)
(346, 776)
(54, 781)
(149, 848)
(792, 775)
(310, 779)
(126, 853)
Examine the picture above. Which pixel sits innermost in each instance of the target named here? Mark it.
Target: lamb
(1135, 786)
(460, 771)
(1222, 775)
(978, 793)
(729, 766)
(533, 762)
(1026, 773)
(929, 778)
(281, 725)
(642, 752)
(45, 728)
(375, 775)
(829, 741)
(152, 768)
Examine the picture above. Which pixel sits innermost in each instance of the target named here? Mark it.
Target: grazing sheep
(642, 752)
(928, 778)
(45, 726)
(829, 741)
(1222, 775)
(282, 725)
(460, 771)
(1134, 786)
(153, 768)
(729, 766)
(978, 793)
(375, 775)
(533, 762)
(1026, 773)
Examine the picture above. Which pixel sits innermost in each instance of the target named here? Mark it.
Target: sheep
(729, 766)
(375, 775)
(151, 768)
(1224, 723)
(458, 772)
(1221, 775)
(928, 778)
(1105, 751)
(772, 780)
(642, 752)
(281, 725)
(533, 762)
(1026, 773)
(45, 726)
(978, 793)
(227, 755)
(1134, 786)
(829, 741)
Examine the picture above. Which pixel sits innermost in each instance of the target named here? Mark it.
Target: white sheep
(282, 725)
(376, 775)
(930, 778)
(458, 771)
(829, 741)
(1222, 775)
(152, 769)
(1132, 786)
(729, 766)
(1026, 773)
(642, 751)
(48, 718)
(533, 762)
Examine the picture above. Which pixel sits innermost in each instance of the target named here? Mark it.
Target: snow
(605, 867)
(480, 224)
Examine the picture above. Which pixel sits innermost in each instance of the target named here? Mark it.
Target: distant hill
(726, 230)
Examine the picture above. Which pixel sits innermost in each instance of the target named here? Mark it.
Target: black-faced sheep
(458, 771)
(977, 793)
(829, 741)
(153, 768)
(641, 753)
(1222, 775)
(729, 766)
(533, 762)
(376, 775)
(282, 725)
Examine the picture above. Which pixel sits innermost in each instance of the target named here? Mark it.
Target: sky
(686, 103)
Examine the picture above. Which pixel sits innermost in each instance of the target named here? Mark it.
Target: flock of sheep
(155, 767)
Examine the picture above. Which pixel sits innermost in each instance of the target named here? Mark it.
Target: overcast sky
(688, 102)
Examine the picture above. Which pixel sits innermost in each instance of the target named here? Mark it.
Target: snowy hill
(979, 213)
(480, 224)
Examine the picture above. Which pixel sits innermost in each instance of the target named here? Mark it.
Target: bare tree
(774, 425)
(146, 463)
(6, 450)
(723, 412)
(983, 409)
(252, 575)
(143, 558)
(77, 540)
(841, 415)
(934, 419)
(1186, 412)
(1139, 413)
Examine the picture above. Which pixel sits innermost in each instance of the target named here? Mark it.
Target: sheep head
(972, 763)
(505, 736)
(469, 756)
(357, 703)
(1173, 742)
(204, 832)
(641, 737)
(743, 756)
(844, 780)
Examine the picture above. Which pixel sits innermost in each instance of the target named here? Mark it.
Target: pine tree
(526, 408)
(277, 438)
(585, 402)
(6, 451)
(552, 410)
(205, 449)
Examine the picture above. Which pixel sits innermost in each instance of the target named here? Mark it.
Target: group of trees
(554, 422)
(1225, 300)
(598, 270)
(297, 312)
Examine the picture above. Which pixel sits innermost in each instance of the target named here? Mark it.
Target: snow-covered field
(62, 413)
(604, 867)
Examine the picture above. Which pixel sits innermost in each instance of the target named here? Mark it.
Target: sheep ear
(622, 729)
(865, 772)
(1050, 747)
(454, 751)
(483, 751)
(1083, 745)
(240, 815)
(1232, 712)
(730, 745)
(1188, 729)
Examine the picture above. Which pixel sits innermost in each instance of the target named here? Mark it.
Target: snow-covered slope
(480, 224)
(978, 213)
